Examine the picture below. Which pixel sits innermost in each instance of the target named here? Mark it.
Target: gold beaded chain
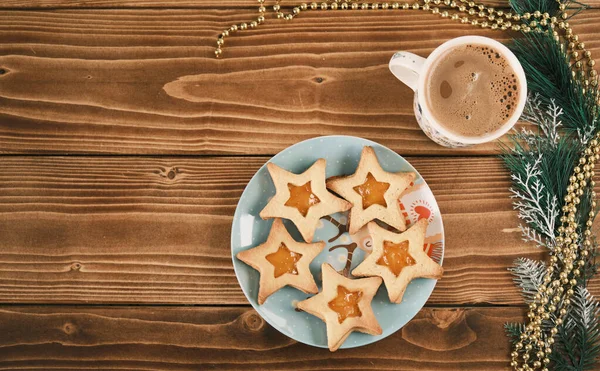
(554, 294)
(552, 300)
(463, 10)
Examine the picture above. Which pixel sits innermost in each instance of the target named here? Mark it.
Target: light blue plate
(249, 230)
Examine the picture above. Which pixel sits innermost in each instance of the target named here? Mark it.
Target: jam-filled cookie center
(396, 257)
(372, 192)
(345, 304)
(302, 197)
(284, 261)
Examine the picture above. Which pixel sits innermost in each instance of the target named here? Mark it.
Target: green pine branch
(556, 163)
(585, 315)
(577, 343)
(514, 331)
(565, 117)
(549, 74)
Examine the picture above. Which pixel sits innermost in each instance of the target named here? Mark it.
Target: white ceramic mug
(414, 72)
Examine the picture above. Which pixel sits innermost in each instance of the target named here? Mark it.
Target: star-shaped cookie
(302, 198)
(398, 258)
(282, 261)
(373, 192)
(344, 305)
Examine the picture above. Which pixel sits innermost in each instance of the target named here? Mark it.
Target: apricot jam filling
(372, 192)
(395, 256)
(345, 304)
(284, 261)
(302, 197)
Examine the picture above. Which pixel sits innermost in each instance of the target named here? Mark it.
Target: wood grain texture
(145, 230)
(141, 338)
(141, 79)
(202, 4)
(147, 82)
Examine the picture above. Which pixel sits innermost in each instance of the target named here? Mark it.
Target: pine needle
(549, 74)
(541, 161)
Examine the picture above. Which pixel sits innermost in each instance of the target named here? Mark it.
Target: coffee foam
(472, 90)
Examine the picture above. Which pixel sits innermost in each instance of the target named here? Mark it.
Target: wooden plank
(203, 4)
(147, 82)
(155, 338)
(144, 230)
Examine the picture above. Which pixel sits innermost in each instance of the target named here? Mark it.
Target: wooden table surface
(125, 146)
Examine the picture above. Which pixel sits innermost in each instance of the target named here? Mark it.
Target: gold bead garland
(552, 299)
(463, 10)
(554, 294)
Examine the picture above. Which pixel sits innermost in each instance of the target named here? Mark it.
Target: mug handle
(407, 67)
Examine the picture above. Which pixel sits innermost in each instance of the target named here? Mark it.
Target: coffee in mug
(470, 90)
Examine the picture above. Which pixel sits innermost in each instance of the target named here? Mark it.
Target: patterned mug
(413, 71)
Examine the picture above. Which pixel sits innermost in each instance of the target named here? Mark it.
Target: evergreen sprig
(514, 330)
(564, 117)
(549, 75)
(578, 339)
(533, 162)
(528, 275)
